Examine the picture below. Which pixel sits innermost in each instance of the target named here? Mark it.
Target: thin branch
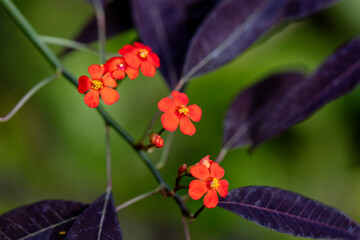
(221, 155)
(108, 154)
(186, 227)
(166, 151)
(150, 126)
(138, 198)
(28, 95)
(101, 24)
(68, 43)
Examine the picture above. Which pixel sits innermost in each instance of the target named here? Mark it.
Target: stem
(166, 151)
(138, 198)
(55, 62)
(198, 212)
(68, 43)
(28, 95)
(101, 24)
(149, 127)
(108, 154)
(186, 228)
(221, 155)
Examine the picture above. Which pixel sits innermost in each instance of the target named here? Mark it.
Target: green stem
(68, 43)
(101, 24)
(28, 30)
(28, 95)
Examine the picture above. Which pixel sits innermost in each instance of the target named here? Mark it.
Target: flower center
(97, 85)
(143, 53)
(183, 111)
(214, 184)
(121, 66)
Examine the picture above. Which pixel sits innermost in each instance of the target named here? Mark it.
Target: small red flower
(156, 140)
(98, 84)
(141, 56)
(117, 67)
(175, 112)
(209, 182)
(206, 161)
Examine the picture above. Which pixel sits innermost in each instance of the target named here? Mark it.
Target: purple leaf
(118, 19)
(253, 105)
(227, 31)
(233, 25)
(49, 219)
(167, 26)
(337, 76)
(290, 213)
(301, 8)
(98, 221)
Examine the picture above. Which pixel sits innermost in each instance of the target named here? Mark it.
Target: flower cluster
(210, 182)
(103, 77)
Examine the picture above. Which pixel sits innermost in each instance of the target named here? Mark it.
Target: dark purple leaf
(253, 105)
(337, 76)
(301, 8)
(227, 31)
(118, 19)
(49, 219)
(290, 213)
(167, 26)
(98, 221)
(234, 25)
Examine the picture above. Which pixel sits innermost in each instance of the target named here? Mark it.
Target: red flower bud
(182, 169)
(156, 140)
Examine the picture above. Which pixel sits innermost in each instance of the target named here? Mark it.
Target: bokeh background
(54, 147)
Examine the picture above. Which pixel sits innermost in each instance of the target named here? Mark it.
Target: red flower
(209, 183)
(98, 84)
(141, 56)
(156, 140)
(206, 161)
(176, 112)
(117, 67)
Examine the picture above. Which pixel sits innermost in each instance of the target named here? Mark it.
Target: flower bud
(182, 169)
(156, 140)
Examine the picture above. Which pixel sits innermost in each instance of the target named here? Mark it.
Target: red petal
(96, 71)
(211, 199)
(187, 127)
(166, 104)
(132, 72)
(142, 46)
(197, 189)
(132, 59)
(84, 84)
(170, 121)
(194, 112)
(127, 48)
(118, 74)
(200, 172)
(108, 80)
(180, 98)
(216, 171)
(92, 98)
(113, 63)
(109, 95)
(223, 188)
(154, 59)
(147, 68)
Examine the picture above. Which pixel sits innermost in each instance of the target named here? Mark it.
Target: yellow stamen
(183, 110)
(214, 184)
(143, 53)
(97, 85)
(62, 233)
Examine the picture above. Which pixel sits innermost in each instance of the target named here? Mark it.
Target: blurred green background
(54, 147)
